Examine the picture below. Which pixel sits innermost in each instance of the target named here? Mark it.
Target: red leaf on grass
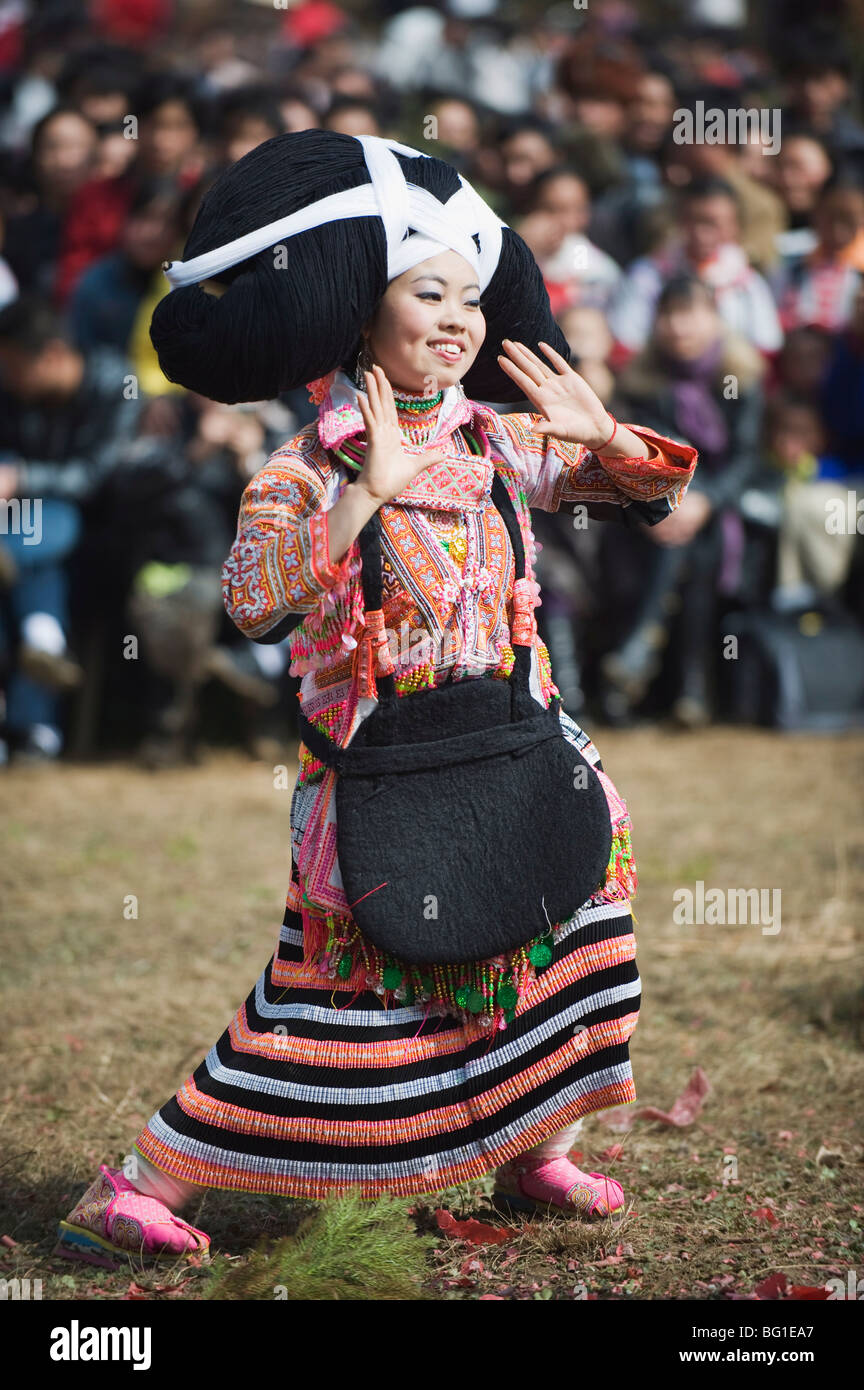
(614, 1151)
(772, 1287)
(683, 1112)
(8, 1242)
(477, 1232)
(808, 1291)
(486, 1297)
(767, 1215)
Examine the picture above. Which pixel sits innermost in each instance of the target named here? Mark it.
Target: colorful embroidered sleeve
(558, 473)
(279, 565)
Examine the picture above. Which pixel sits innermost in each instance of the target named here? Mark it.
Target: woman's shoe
(558, 1183)
(113, 1218)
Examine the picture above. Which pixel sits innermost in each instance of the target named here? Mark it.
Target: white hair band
(400, 205)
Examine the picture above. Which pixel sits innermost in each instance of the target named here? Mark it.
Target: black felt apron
(467, 824)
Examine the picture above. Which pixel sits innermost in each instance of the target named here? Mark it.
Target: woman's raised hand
(387, 469)
(573, 411)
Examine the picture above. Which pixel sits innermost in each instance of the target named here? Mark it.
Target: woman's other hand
(572, 410)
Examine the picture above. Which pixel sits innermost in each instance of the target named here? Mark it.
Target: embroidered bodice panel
(447, 609)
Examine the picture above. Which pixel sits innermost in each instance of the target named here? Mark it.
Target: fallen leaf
(683, 1112)
(767, 1215)
(772, 1287)
(808, 1291)
(477, 1232)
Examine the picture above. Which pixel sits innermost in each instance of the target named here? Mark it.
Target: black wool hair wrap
(293, 310)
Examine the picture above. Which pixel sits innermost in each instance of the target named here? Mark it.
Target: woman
(336, 1075)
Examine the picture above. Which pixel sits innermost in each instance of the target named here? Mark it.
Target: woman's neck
(417, 414)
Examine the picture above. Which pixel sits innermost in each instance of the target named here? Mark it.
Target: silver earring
(363, 364)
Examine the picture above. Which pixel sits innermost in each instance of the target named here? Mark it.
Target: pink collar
(339, 415)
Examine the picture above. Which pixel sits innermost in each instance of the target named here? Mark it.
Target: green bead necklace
(350, 452)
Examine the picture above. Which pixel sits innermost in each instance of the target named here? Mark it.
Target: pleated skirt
(314, 1091)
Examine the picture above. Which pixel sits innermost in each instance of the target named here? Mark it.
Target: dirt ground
(104, 1015)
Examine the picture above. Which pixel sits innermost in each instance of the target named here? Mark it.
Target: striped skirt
(313, 1091)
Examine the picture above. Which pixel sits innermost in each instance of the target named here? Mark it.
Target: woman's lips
(450, 352)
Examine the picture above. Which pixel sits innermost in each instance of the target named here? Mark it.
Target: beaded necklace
(352, 452)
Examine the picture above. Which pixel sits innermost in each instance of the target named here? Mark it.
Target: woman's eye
(434, 294)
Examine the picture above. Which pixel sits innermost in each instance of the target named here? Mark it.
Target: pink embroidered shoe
(557, 1182)
(113, 1218)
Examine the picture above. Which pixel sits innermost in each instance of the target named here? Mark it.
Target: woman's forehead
(448, 267)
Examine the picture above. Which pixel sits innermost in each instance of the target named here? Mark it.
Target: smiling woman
(429, 323)
(402, 1041)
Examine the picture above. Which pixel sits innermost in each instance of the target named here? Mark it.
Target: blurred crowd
(708, 274)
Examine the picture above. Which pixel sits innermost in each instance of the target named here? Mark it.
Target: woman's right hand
(387, 469)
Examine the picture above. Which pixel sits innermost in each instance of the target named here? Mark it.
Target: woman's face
(432, 303)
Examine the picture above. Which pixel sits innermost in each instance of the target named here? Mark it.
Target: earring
(363, 364)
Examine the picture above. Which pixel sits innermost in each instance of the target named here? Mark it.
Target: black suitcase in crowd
(795, 671)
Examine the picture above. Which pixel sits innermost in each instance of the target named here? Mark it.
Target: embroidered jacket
(448, 594)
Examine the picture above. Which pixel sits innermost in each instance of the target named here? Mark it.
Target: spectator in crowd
(697, 381)
(352, 116)
(63, 156)
(65, 421)
(583, 274)
(587, 332)
(101, 82)
(620, 221)
(763, 216)
(710, 247)
(456, 130)
(801, 169)
(247, 117)
(820, 287)
(842, 395)
(106, 300)
(803, 362)
(796, 491)
(526, 148)
(818, 74)
(169, 126)
(297, 111)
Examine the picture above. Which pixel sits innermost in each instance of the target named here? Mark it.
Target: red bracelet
(611, 437)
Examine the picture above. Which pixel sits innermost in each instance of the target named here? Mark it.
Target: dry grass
(104, 1016)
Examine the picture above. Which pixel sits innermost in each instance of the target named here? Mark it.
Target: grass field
(104, 1016)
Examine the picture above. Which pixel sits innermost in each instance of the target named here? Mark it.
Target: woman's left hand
(573, 411)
